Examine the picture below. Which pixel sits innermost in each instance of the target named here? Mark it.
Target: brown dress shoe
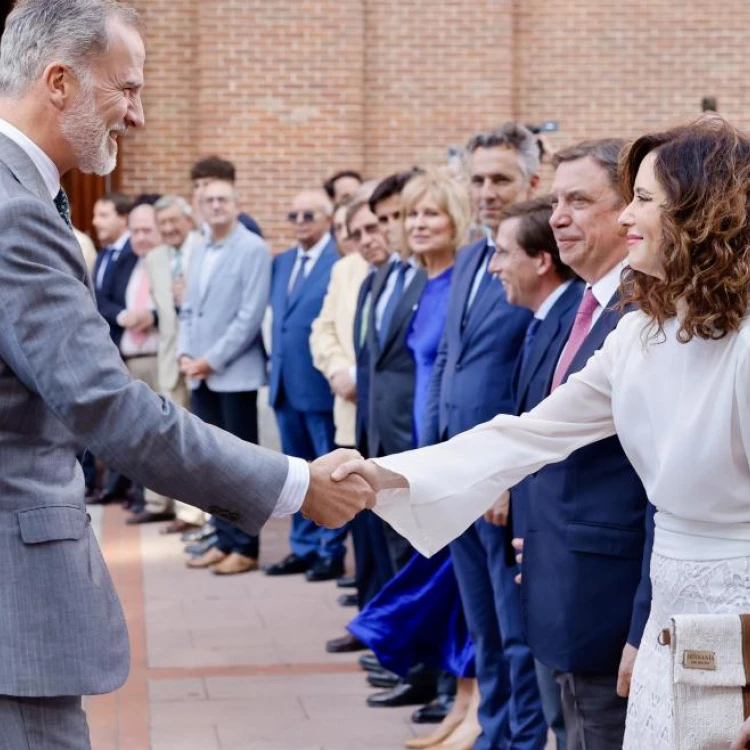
(235, 563)
(177, 526)
(213, 557)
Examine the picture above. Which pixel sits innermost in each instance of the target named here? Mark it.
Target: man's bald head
(310, 216)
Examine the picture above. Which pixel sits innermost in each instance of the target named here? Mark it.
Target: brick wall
(292, 90)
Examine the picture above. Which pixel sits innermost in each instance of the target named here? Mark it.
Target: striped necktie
(63, 207)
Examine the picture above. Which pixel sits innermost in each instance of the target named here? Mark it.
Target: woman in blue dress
(417, 618)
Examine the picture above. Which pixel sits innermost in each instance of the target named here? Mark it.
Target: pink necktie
(581, 328)
(141, 301)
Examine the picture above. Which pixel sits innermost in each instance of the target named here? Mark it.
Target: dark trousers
(43, 724)
(373, 563)
(309, 435)
(594, 713)
(236, 413)
(510, 709)
(88, 465)
(549, 691)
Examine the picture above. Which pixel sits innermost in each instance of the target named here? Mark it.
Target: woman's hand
(376, 476)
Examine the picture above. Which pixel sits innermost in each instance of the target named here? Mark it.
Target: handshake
(342, 484)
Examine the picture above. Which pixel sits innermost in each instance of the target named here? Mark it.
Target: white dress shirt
(312, 254)
(42, 162)
(681, 412)
(543, 310)
(603, 291)
(481, 271)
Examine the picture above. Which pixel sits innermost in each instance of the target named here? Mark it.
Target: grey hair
(511, 135)
(40, 32)
(167, 201)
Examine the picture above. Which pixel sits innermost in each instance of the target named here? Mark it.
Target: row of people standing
(538, 644)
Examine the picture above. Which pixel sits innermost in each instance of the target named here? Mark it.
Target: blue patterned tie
(63, 207)
(392, 304)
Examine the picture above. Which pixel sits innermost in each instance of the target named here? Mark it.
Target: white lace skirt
(679, 586)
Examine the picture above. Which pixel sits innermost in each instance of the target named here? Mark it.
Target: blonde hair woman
(418, 617)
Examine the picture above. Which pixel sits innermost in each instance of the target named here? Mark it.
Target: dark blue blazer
(361, 352)
(471, 381)
(588, 536)
(292, 372)
(110, 298)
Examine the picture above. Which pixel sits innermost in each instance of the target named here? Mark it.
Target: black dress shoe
(345, 645)
(290, 565)
(104, 498)
(383, 679)
(370, 663)
(325, 570)
(347, 582)
(200, 548)
(147, 516)
(348, 600)
(402, 695)
(434, 712)
(198, 534)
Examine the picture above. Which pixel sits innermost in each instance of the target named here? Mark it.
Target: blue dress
(417, 617)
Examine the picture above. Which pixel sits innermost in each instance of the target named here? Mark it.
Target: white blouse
(681, 412)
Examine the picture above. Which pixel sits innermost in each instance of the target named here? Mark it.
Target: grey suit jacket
(224, 322)
(159, 265)
(63, 386)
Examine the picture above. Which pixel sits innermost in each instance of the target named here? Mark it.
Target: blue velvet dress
(417, 617)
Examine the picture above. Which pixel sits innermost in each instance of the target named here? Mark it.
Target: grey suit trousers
(43, 724)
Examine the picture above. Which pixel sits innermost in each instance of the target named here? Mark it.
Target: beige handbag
(710, 678)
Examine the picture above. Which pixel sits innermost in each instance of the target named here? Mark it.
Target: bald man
(299, 394)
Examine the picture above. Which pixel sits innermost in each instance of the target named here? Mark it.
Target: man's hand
(497, 515)
(517, 545)
(625, 672)
(332, 504)
(197, 369)
(342, 385)
(742, 740)
(138, 320)
(377, 477)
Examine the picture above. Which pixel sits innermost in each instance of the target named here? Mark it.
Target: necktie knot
(63, 207)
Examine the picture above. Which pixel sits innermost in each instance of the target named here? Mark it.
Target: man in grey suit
(71, 73)
(221, 347)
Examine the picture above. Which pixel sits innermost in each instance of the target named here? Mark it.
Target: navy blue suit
(586, 528)
(110, 296)
(471, 383)
(299, 394)
(372, 560)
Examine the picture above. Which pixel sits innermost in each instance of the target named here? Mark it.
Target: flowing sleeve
(454, 483)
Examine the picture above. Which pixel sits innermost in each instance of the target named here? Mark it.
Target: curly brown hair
(704, 168)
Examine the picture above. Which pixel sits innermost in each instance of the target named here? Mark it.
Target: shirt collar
(548, 303)
(218, 245)
(605, 288)
(120, 242)
(41, 161)
(315, 251)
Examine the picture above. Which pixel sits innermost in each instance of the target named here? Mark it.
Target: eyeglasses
(368, 230)
(304, 216)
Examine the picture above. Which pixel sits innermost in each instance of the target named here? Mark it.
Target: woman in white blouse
(673, 381)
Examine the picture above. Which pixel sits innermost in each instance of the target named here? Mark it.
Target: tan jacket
(159, 266)
(332, 338)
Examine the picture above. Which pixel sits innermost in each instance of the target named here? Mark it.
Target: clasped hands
(196, 369)
(342, 484)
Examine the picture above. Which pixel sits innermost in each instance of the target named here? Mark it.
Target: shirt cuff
(353, 373)
(294, 490)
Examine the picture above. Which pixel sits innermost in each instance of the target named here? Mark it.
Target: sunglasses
(304, 216)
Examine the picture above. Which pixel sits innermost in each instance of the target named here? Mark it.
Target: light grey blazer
(224, 323)
(63, 387)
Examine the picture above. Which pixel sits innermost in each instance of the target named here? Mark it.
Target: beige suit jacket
(332, 337)
(159, 266)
